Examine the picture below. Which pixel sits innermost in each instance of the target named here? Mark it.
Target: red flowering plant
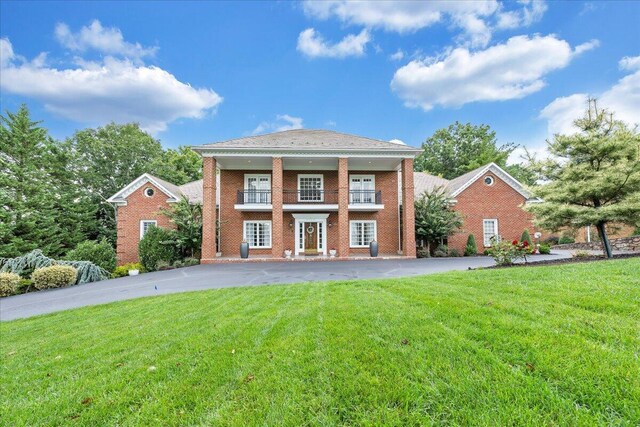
(505, 253)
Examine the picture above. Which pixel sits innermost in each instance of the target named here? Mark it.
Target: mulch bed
(591, 258)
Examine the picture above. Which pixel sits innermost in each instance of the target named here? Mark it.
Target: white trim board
(137, 183)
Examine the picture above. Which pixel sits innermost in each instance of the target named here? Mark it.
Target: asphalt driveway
(228, 275)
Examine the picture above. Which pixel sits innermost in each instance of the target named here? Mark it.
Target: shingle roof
(307, 139)
(461, 180)
(422, 182)
(193, 191)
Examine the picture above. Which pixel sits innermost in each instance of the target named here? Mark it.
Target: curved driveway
(227, 275)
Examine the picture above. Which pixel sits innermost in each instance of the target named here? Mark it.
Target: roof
(191, 190)
(425, 182)
(308, 139)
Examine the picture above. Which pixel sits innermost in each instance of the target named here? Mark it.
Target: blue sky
(197, 72)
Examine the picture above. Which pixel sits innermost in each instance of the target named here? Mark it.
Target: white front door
(311, 233)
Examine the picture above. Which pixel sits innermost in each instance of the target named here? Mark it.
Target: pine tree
(593, 177)
(471, 248)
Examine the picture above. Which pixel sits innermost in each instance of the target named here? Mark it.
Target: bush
(564, 240)
(636, 232)
(544, 249)
(55, 276)
(551, 240)
(26, 264)
(454, 253)
(25, 285)
(8, 284)
(164, 265)
(526, 237)
(423, 253)
(441, 251)
(505, 253)
(188, 262)
(123, 270)
(471, 249)
(99, 253)
(581, 254)
(156, 246)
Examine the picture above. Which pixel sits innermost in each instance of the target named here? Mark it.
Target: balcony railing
(325, 197)
(254, 197)
(365, 197)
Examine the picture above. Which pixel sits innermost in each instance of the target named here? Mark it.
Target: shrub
(636, 232)
(423, 253)
(544, 249)
(581, 254)
(55, 276)
(526, 237)
(164, 265)
(123, 270)
(454, 252)
(8, 284)
(24, 286)
(471, 249)
(441, 251)
(157, 245)
(566, 240)
(100, 253)
(188, 262)
(505, 253)
(551, 240)
(26, 264)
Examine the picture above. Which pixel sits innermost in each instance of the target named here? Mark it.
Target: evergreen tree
(435, 220)
(471, 248)
(593, 177)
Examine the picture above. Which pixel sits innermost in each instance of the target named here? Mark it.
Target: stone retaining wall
(628, 244)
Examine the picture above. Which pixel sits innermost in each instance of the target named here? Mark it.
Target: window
(362, 189)
(145, 224)
(257, 189)
(148, 192)
(362, 233)
(489, 229)
(310, 188)
(258, 234)
(488, 180)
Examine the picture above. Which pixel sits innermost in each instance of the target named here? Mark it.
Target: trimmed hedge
(55, 276)
(8, 284)
(99, 253)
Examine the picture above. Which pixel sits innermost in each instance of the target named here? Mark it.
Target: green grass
(527, 346)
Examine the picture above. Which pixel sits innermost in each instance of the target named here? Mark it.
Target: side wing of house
(491, 203)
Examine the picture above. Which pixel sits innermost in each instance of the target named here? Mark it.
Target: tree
(187, 218)
(435, 220)
(460, 148)
(593, 176)
(105, 160)
(178, 166)
(471, 248)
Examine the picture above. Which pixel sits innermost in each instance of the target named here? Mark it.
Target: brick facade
(498, 201)
(139, 207)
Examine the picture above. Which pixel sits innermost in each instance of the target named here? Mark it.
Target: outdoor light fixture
(291, 225)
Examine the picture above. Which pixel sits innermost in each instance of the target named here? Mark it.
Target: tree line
(53, 193)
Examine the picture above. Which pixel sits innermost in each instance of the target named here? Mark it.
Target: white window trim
(351, 177)
(255, 175)
(311, 175)
(145, 191)
(375, 232)
(244, 233)
(142, 222)
(495, 227)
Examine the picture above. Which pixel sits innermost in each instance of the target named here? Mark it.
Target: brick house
(307, 191)
(490, 201)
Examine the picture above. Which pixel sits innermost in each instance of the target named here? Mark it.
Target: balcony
(308, 200)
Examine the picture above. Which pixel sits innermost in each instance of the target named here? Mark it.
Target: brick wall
(138, 207)
(500, 201)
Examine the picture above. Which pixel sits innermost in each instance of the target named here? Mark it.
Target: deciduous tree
(435, 220)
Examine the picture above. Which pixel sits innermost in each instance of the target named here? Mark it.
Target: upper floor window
(257, 188)
(145, 225)
(488, 180)
(310, 188)
(362, 188)
(148, 192)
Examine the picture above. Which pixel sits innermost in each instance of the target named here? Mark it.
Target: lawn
(526, 346)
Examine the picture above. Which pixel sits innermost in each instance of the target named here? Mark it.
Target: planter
(332, 253)
(244, 250)
(373, 249)
(287, 253)
(134, 272)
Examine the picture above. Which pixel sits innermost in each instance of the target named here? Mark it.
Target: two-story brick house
(308, 191)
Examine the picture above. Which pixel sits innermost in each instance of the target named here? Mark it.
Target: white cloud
(630, 63)
(511, 70)
(312, 44)
(584, 47)
(110, 90)
(106, 40)
(283, 122)
(397, 56)
(476, 19)
(623, 98)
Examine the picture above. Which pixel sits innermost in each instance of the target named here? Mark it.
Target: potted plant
(332, 253)
(244, 249)
(373, 249)
(287, 253)
(134, 272)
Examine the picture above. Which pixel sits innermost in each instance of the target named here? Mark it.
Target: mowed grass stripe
(333, 354)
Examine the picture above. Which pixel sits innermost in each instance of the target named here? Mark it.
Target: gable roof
(191, 190)
(425, 182)
(308, 139)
